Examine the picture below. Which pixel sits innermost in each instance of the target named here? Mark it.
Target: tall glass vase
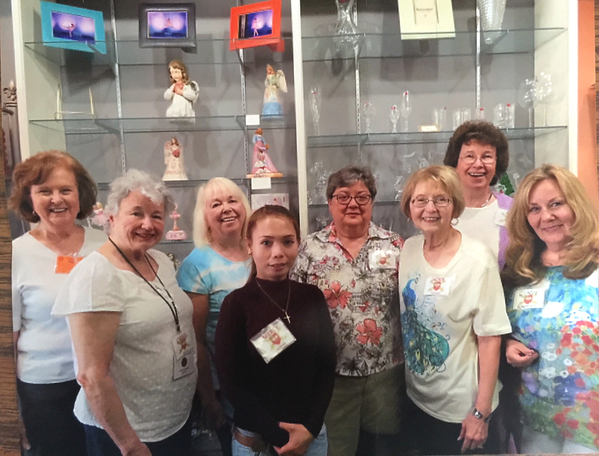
(491, 18)
(346, 30)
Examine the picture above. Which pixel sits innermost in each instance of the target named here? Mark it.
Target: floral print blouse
(362, 296)
(560, 391)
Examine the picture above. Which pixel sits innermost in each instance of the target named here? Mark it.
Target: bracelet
(479, 416)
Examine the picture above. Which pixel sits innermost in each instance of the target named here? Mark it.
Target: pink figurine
(176, 234)
(100, 219)
(262, 165)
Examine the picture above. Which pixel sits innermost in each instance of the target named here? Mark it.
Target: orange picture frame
(258, 24)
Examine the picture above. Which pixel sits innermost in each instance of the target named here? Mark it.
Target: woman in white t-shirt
(132, 331)
(479, 152)
(53, 190)
(452, 315)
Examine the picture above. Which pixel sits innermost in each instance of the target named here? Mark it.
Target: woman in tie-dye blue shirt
(552, 291)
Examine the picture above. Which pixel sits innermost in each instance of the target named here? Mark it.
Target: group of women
(265, 354)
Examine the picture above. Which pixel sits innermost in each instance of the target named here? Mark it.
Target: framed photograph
(426, 19)
(167, 25)
(276, 199)
(74, 28)
(258, 24)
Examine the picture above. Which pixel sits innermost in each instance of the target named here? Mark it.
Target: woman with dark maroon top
(275, 347)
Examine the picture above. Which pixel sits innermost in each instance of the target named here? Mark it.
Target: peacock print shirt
(361, 293)
(558, 317)
(443, 310)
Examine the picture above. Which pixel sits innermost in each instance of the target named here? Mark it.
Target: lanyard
(171, 305)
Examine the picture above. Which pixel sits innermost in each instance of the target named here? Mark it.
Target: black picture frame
(167, 25)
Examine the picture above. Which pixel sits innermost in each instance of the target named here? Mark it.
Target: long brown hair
(523, 255)
(263, 213)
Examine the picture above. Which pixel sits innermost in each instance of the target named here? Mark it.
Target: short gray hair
(348, 176)
(135, 180)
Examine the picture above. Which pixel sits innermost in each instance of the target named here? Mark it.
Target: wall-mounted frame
(258, 24)
(74, 28)
(426, 19)
(167, 25)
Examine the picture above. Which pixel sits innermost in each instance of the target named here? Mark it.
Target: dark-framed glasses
(438, 201)
(345, 199)
(486, 159)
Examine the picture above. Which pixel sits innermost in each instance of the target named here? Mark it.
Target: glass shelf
(391, 45)
(194, 183)
(376, 203)
(207, 52)
(415, 137)
(79, 126)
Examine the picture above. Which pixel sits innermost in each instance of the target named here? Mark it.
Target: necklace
(488, 199)
(287, 317)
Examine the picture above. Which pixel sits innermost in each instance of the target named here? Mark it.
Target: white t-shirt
(442, 312)
(143, 360)
(44, 346)
(483, 223)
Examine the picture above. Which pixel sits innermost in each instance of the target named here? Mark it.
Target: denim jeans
(318, 447)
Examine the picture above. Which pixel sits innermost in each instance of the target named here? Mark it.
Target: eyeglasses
(344, 199)
(438, 201)
(487, 159)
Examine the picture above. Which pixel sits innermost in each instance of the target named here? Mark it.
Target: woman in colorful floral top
(552, 293)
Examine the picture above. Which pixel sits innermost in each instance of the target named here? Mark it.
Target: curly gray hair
(135, 180)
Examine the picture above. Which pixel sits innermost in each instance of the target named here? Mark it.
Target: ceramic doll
(262, 165)
(273, 82)
(100, 219)
(182, 91)
(173, 159)
(176, 234)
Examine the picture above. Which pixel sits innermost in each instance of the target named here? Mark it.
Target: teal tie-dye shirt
(560, 391)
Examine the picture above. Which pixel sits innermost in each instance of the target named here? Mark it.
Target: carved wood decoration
(9, 424)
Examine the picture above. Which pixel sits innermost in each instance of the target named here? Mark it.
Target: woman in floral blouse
(551, 281)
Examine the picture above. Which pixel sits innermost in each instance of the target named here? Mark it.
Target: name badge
(183, 356)
(382, 259)
(529, 298)
(500, 217)
(439, 286)
(66, 263)
(273, 340)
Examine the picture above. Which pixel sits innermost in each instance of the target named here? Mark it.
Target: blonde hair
(523, 255)
(201, 230)
(448, 180)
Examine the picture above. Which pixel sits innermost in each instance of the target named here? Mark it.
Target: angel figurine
(100, 219)
(173, 159)
(176, 234)
(262, 165)
(182, 91)
(273, 82)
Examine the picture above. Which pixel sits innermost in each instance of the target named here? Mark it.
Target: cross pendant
(287, 317)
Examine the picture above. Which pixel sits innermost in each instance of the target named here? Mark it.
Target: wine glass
(406, 109)
(315, 100)
(527, 98)
(394, 117)
(368, 112)
(545, 93)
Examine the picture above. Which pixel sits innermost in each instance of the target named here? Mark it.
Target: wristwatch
(480, 416)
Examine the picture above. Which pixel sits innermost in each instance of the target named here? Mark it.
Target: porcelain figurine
(176, 234)
(182, 91)
(274, 82)
(262, 165)
(173, 159)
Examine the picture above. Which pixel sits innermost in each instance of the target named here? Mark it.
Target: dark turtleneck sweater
(294, 387)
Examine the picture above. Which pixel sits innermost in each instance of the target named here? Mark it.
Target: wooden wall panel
(9, 425)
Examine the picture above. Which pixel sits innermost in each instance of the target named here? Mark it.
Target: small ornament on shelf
(274, 82)
(406, 110)
(394, 117)
(183, 93)
(346, 30)
(262, 165)
(173, 159)
(322, 221)
(99, 219)
(315, 100)
(368, 112)
(176, 234)
(398, 188)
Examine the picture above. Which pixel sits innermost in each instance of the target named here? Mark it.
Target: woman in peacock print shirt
(552, 294)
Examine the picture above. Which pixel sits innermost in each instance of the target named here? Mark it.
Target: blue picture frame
(70, 27)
